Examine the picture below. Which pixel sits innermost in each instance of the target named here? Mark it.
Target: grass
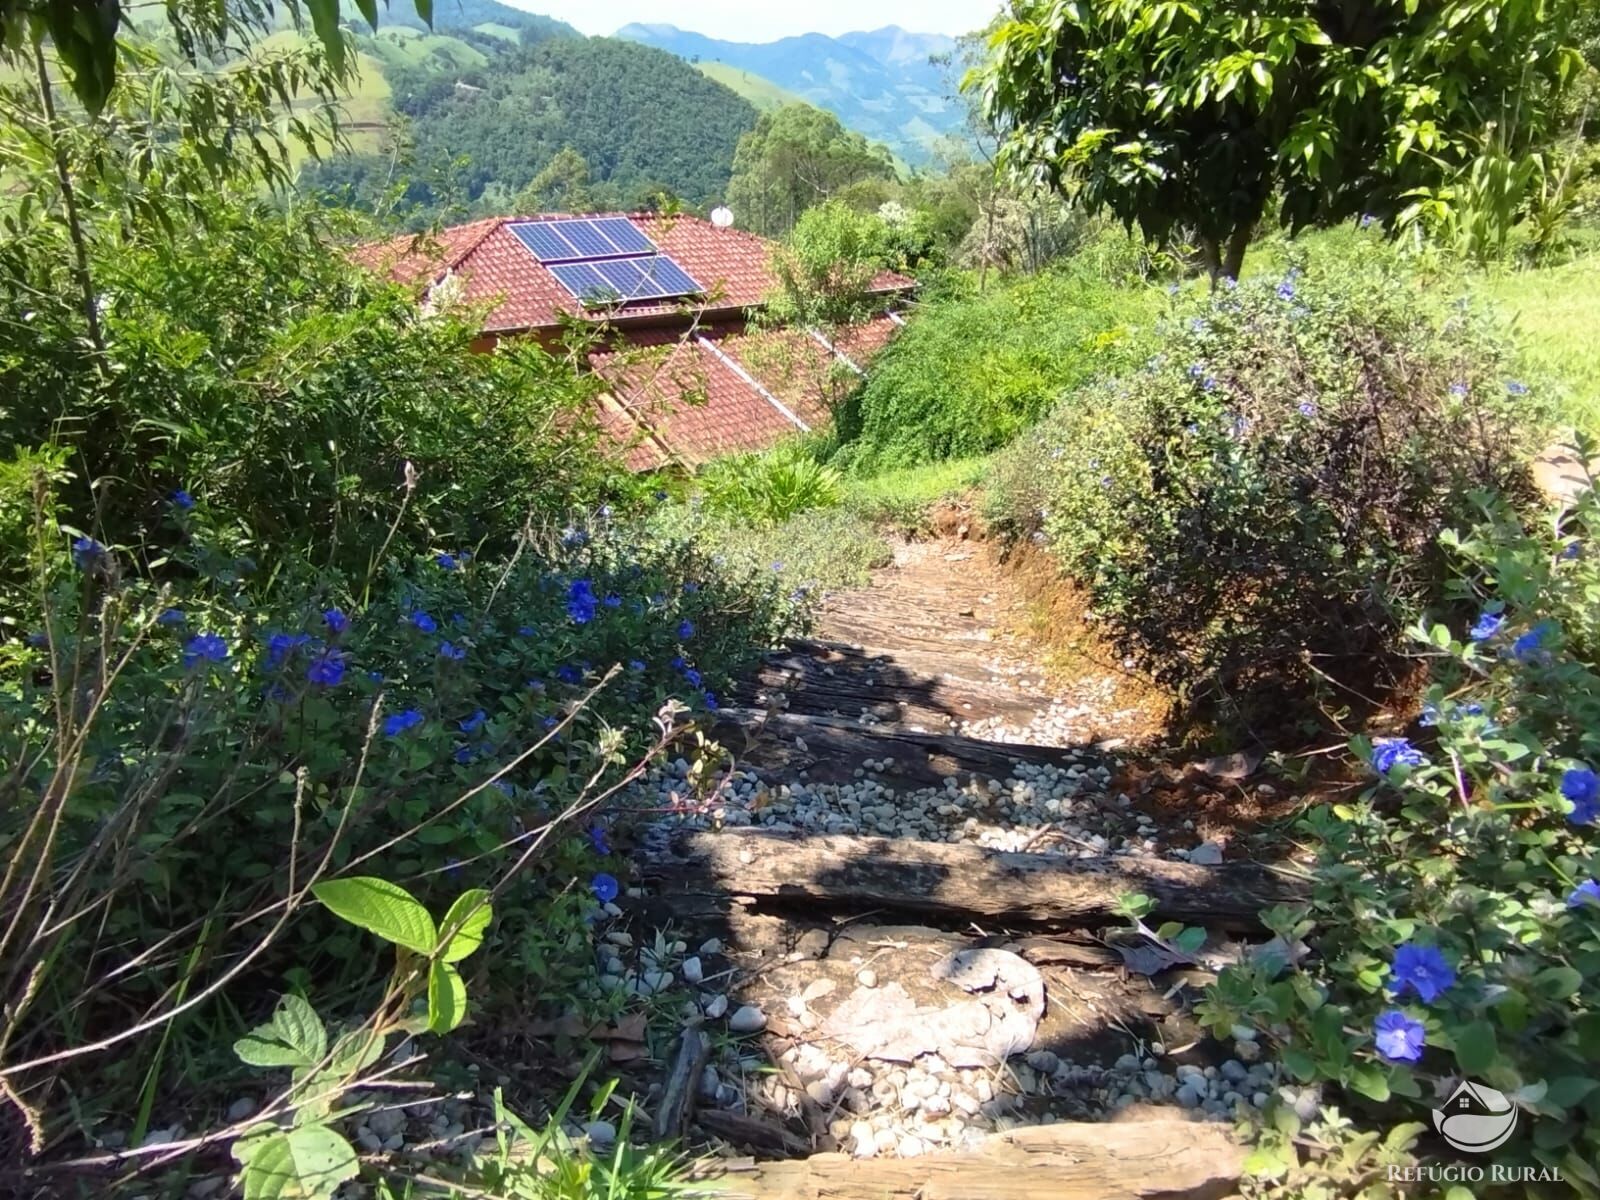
(1555, 313)
(902, 497)
(504, 32)
(761, 92)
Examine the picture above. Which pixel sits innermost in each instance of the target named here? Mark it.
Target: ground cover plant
(1454, 918)
(1255, 510)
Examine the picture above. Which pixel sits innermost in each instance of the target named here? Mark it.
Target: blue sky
(764, 20)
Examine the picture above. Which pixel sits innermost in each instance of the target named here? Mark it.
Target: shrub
(1454, 922)
(972, 372)
(248, 362)
(822, 548)
(771, 487)
(1254, 511)
(187, 756)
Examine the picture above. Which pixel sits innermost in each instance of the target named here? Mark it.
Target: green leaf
(447, 998)
(293, 1038)
(355, 1052)
(380, 907)
(1371, 1082)
(472, 911)
(308, 1162)
(1476, 1047)
(1557, 983)
(1569, 1090)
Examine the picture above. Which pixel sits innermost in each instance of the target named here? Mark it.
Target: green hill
(762, 93)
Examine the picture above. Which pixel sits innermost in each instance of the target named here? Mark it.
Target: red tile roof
(725, 388)
(497, 270)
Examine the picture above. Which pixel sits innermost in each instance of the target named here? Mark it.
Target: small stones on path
(747, 1019)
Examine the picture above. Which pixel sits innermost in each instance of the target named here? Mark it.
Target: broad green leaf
(310, 1162)
(1371, 1082)
(1569, 1090)
(293, 1038)
(447, 998)
(1475, 1047)
(380, 907)
(355, 1052)
(472, 910)
(325, 20)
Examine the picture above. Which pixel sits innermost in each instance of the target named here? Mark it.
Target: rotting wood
(1039, 891)
(831, 744)
(678, 1093)
(1142, 1160)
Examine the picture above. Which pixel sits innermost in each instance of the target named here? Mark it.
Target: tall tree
(563, 185)
(797, 157)
(1187, 117)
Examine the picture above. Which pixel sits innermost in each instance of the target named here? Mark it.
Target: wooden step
(956, 882)
(830, 748)
(1135, 1160)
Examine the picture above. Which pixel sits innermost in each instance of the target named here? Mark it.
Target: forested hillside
(477, 134)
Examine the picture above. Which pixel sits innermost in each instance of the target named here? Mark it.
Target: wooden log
(833, 746)
(957, 881)
(677, 1095)
(1139, 1160)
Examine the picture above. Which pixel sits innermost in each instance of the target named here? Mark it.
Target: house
(690, 373)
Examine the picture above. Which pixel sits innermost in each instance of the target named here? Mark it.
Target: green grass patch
(757, 89)
(1555, 315)
(902, 497)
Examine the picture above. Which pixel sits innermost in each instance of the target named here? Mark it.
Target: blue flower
(173, 616)
(1367, 219)
(1585, 894)
(711, 700)
(1487, 626)
(1458, 389)
(281, 645)
(1516, 387)
(635, 665)
(691, 587)
(1306, 408)
(581, 601)
(604, 887)
(1531, 644)
(336, 621)
(1430, 715)
(400, 722)
(1423, 969)
(447, 562)
(465, 754)
(87, 552)
(568, 673)
(573, 537)
(424, 622)
(181, 499)
(326, 669)
(597, 839)
(473, 723)
(1285, 290)
(692, 676)
(612, 600)
(451, 651)
(1388, 753)
(678, 662)
(1571, 551)
(1582, 786)
(685, 629)
(1399, 1038)
(458, 618)
(526, 631)
(550, 722)
(534, 685)
(501, 786)
(204, 647)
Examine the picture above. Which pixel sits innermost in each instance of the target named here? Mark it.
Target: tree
(1188, 117)
(563, 185)
(826, 268)
(797, 157)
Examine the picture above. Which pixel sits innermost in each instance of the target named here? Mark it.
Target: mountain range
(884, 83)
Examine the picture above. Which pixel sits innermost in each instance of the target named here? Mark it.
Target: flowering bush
(198, 751)
(1256, 508)
(1454, 924)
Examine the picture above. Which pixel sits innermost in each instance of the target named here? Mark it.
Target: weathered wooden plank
(957, 880)
(1143, 1160)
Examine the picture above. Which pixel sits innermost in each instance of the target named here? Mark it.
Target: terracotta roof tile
(494, 268)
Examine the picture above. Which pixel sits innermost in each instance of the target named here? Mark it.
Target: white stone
(693, 972)
(601, 1133)
(716, 1006)
(747, 1019)
(867, 977)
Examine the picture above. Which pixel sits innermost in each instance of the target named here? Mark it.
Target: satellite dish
(722, 216)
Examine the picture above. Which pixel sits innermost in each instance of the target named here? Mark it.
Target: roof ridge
(491, 225)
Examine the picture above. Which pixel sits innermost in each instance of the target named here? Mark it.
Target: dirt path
(896, 917)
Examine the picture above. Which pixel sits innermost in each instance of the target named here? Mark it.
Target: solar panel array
(604, 260)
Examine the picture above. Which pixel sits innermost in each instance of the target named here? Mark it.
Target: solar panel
(622, 234)
(543, 239)
(620, 280)
(582, 238)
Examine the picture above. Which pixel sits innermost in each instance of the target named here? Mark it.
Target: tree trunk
(1238, 242)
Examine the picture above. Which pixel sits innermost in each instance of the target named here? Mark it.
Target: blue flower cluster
(1400, 1037)
(1391, 752)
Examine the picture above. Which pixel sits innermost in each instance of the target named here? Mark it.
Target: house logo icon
(1476, 1119)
